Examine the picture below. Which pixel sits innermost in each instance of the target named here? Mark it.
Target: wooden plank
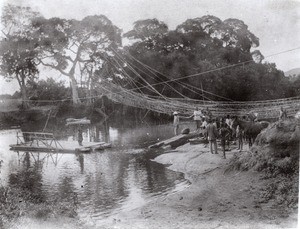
(175, 141)
(66, 146)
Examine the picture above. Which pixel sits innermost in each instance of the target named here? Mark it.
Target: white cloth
(229, 122)
(204, 124)
(197, 115)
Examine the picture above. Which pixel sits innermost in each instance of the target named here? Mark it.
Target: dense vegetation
(276, 155)
(203, 58)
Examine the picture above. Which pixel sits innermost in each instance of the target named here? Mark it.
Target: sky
(275, 22)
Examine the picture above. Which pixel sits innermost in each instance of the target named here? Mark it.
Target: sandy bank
(215, 199)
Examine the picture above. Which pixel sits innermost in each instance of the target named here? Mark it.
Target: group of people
(213, 128)
(225, 132)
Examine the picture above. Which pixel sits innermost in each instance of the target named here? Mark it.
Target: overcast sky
(275, 22)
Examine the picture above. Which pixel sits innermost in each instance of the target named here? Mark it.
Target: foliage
(276, 155)
(75, 47)
(212, 56)
(18, 47)
(23, 196)
(201, 45)
(48, 89)
(16, 202)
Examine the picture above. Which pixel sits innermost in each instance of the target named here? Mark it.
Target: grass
(276, 155)
(16, 202)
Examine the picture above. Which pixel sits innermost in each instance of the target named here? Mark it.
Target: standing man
(197, 117)
(282, 114)
(212, 134)
(176, 122)
(80, 138)
(239, 135)
(224, 133)
(208, 113)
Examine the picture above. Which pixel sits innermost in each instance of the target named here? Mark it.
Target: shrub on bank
(275, 154)
(16, 202)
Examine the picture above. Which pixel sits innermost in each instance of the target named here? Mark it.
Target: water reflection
(29, 179)
(99, 183)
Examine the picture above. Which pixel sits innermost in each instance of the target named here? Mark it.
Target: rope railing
(265, 109)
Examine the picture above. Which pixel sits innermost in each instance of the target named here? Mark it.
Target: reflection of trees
(80, 159)
(29, 179)
(153, 176)
(102, 128)
(107, 186)
(66, 189)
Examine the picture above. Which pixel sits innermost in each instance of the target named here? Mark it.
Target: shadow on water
(100, 183)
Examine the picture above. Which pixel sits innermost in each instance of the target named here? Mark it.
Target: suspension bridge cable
(182, 83)
(225, 67)
(130, 78)
(128, 63)
(125, 73)
(179, 83)
(157, 92)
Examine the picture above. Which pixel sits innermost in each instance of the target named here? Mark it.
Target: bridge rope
(185, 105)
(185, 85)
(264, 109)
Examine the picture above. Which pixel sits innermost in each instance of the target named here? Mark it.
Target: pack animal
(251, 129)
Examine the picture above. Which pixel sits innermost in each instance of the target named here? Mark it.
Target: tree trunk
(25, 104)
(75, 96)
(21, 82)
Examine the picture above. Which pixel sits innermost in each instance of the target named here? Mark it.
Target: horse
(251, 129)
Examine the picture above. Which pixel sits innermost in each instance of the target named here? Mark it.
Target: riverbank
(216, 198)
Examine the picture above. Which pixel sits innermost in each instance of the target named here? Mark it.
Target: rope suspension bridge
(126, 67)
(184, 105)
(264, 109)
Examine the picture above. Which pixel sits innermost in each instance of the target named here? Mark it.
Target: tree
(147, 30)
(17, 47)
(47, 89)
(67, 45)
(205, 44)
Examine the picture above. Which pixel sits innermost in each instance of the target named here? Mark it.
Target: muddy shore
(216, 198)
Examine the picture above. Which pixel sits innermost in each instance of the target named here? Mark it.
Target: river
(100, 184)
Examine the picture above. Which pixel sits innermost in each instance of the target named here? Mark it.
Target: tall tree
(67, 45)
(18, 47)
(201, 45)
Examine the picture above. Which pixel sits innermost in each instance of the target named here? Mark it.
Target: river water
(100, 184)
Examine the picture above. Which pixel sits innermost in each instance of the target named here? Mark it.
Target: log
(175, 141)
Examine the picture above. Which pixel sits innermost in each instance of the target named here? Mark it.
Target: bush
(275, 154)
(16, 202)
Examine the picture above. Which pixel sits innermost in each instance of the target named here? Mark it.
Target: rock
(185, 131)
(199, 209)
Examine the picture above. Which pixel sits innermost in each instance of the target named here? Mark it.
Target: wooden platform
(61, 146)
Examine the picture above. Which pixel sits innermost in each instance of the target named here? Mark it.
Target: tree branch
(71, 50)
(55, 67)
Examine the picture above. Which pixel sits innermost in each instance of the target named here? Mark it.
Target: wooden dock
(45, 142)
(62, 147)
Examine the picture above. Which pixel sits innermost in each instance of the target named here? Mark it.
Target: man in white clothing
(197, 117)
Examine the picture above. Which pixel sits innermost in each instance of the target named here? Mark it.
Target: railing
(265, 109)
(39, 138)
